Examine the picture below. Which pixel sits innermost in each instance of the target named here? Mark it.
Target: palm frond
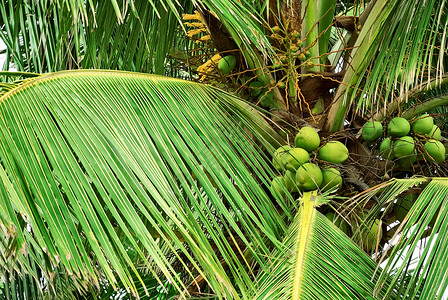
(46, 36)
(317, 261)
(415, 255)
(425, 228)
(401, 45)
(100, 162)
(423, 98)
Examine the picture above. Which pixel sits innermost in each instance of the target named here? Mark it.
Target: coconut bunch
(407, 142)
(289, 51)
(299, 174)
(291, 47)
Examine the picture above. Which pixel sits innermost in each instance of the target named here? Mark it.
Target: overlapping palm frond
(98, 163)
(48, 37)
(416, 254)
(317, 261)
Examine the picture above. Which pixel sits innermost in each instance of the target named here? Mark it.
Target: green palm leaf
(425, 227)
(317, 261)
(49, 36)
(416, 254)
(98, 163)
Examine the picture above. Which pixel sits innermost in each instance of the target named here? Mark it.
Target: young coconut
(309, 177)
(423, 124)
(295, 158)
(406, 162)
(435, 132)
(290, 181)
(278, 187)
(386, 149)
(307, 138)
(374, 235)
(435, 151)
(331, 179)
(279, 157)
(334, 152)
(227, 64)
(267, 100)
(404, 146)
(371, 131)
(256, 88)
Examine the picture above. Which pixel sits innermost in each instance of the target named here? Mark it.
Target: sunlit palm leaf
(417, 258)
(99, 161)
(402, 41)
(429, 96)
(429, 270)
(48, 36)
(45, 36)
(317, 261)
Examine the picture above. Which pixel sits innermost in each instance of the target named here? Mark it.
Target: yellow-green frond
(98, 164)
(317, 261)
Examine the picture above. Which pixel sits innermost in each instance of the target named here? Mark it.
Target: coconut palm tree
(117, 183)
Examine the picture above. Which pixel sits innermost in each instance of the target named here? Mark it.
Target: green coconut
(334, 152)
(290, 181)
(371, 131)
(402, 206)
(398, 127)
(295, 158)
(435, 151)
(406, 162)
(331, 179)
(307, 138)
(423, 125)
(338, 221)
(279, 157)
(227, 64)
(278, 187)
(309, 177)
(404, 146)
(435, 132)
(374, 234)
(256, 88)
(386, 149)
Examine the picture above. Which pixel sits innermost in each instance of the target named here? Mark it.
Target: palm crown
(120, 182)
